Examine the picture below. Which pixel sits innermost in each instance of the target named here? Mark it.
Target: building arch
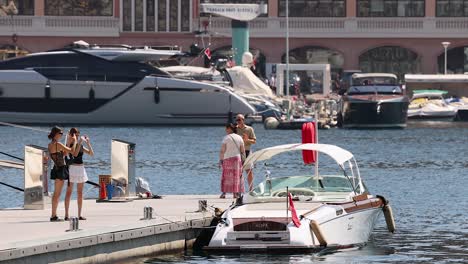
(315, 55)
(457, 60)
(390, 59)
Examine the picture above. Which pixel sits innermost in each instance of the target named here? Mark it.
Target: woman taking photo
(59, 172)
(232, 149)
(77, 170)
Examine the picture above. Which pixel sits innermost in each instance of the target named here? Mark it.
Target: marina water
(422, 170)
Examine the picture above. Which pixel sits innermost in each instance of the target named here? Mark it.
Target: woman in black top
(59, 172)
(77, 171)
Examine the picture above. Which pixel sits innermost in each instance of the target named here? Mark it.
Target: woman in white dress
(77, 171)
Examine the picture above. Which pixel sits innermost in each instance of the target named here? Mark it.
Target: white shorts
(77, 173)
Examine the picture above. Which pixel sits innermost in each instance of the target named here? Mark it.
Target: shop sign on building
(243, 12)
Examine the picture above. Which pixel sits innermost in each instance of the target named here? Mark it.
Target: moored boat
(334, 211)
(374, 100)
(109, 85)
(430, 104)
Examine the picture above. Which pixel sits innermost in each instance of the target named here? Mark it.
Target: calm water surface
(422, 170)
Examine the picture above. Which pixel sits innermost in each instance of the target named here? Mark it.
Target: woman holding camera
(77, 170)
(59, 172)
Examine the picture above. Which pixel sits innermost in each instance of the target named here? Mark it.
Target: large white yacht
(108, 85)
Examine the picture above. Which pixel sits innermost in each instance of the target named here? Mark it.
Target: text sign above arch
(242, 12)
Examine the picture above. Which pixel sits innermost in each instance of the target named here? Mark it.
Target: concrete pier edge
(113, 246)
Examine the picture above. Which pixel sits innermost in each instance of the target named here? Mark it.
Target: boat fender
(157, 96)
(388, 213)
(271, 123)
(315, 228)
(47, 90)
(92, 94)
(384, 201)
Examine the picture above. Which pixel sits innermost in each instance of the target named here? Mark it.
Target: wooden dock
(112, 231)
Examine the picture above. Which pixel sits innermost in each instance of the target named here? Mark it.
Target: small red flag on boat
(208, 53)
(309, 135)
(295, 219)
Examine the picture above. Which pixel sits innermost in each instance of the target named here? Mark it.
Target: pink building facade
(400, 36)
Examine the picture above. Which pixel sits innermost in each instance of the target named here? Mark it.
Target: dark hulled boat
(374, 100)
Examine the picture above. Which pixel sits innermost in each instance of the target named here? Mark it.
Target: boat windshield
(385, 85)
(302, 186)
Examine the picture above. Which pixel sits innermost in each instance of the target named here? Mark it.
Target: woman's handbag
(242, 153)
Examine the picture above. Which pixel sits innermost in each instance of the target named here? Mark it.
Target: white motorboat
(335, 211)
(430, 104)
(109, 85)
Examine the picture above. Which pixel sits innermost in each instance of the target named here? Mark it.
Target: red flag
(208, 53)
(295, 219)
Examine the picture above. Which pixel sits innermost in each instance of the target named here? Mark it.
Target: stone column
(273, 8)
(39, 7)
(430, 8)
(240, 39)
(351, 6)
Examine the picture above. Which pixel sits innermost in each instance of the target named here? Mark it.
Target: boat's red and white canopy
(336, 153)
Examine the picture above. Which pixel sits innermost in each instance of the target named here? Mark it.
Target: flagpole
(287, 203)
(287, 47)
(316, 142)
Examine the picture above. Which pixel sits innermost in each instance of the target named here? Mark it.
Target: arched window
(457, 60)
(79, 7)
(390, 59)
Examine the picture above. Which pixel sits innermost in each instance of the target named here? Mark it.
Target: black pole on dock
(11, 186)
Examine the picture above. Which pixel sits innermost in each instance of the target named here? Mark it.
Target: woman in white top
(232, 149)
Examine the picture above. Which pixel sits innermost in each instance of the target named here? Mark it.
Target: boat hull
(462, 115)
(150, 101)
(374, 113)
(340, 229)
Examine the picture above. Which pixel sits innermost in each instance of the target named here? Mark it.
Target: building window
(79, 7)
(127, 15)
(156, 15)
(390, 8)
(162, 15)
(313, 8)
(138, 15)
(173, 15)
(452, 8)
(185, 15)
(150, 15)
(232, 2)
(391, 59)
(24, 7)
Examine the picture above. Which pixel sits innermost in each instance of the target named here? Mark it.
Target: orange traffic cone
(102, 191)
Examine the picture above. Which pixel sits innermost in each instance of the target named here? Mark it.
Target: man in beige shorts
(248, 135)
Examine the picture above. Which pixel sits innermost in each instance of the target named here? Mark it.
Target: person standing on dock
(59, 172)
(232, 149)
(77, 171)
(248, 135)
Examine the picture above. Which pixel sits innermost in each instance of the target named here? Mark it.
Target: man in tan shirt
(248, 135)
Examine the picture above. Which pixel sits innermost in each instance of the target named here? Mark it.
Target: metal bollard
(147, 213)
(74, 224)
(202, 205)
